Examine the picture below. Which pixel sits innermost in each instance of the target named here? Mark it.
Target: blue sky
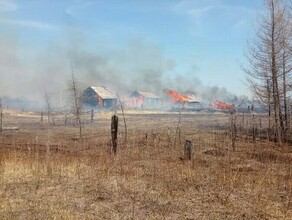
(200, 39)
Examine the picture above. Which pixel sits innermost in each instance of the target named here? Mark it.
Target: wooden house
(99, 96)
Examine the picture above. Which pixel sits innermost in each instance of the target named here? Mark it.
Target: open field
(46, 172)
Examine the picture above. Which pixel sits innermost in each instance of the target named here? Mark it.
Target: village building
(143, 100)
(183, 101)
(99, 97)
(193, 102)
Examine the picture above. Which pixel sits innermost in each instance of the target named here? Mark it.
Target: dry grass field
(46, 172)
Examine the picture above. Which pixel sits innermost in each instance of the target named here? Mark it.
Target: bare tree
(77, 100)
(233, 121)
(286, 65)
(178, 127)
(49, 109)
(267, 63)
(124, 119)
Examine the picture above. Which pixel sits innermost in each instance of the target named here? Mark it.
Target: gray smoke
(191, 84)
(138, 66)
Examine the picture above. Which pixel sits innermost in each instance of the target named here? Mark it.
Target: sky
(152, 44)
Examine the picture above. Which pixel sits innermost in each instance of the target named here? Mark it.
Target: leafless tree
(124, 119)
(268, 61)
(233, 121)
(77, 101)
(233, 126)
(178, 127)
(49, 109)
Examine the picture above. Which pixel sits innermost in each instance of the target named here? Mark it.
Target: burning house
(143, 100)
(100, 97)
(179, 100)
(176, 97)
(193, 102)
(223, 106)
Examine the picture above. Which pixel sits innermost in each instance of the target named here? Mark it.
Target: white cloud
(77, 6)
(199, 12)
(201, 8)
(28, 23)
(196, 8)
(8, 5)
(244, 16)
(240, 24)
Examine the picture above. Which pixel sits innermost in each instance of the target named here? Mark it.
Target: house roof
(103, 92)
(148, 95)
(193, 98)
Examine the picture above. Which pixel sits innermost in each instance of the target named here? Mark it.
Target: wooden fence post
(253, 125)
(66, 119)
(233, 128)
(242, 122)
(92, 115)
(114, 132)
(188, 150)
(260, 122)
(42, 116)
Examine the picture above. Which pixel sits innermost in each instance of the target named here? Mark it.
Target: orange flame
(222, 105)
(177, 97)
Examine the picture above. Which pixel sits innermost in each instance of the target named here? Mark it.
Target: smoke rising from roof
(140, 65)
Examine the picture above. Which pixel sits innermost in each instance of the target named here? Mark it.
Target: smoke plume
(139, 65)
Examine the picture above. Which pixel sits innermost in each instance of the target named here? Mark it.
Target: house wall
(90, 98)
(151, 103)
(109, 103)
(194, 105)
(94, 100)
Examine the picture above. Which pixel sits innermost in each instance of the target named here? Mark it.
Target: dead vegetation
(46, 173)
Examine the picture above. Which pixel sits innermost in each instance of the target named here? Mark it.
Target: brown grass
(46, 173)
